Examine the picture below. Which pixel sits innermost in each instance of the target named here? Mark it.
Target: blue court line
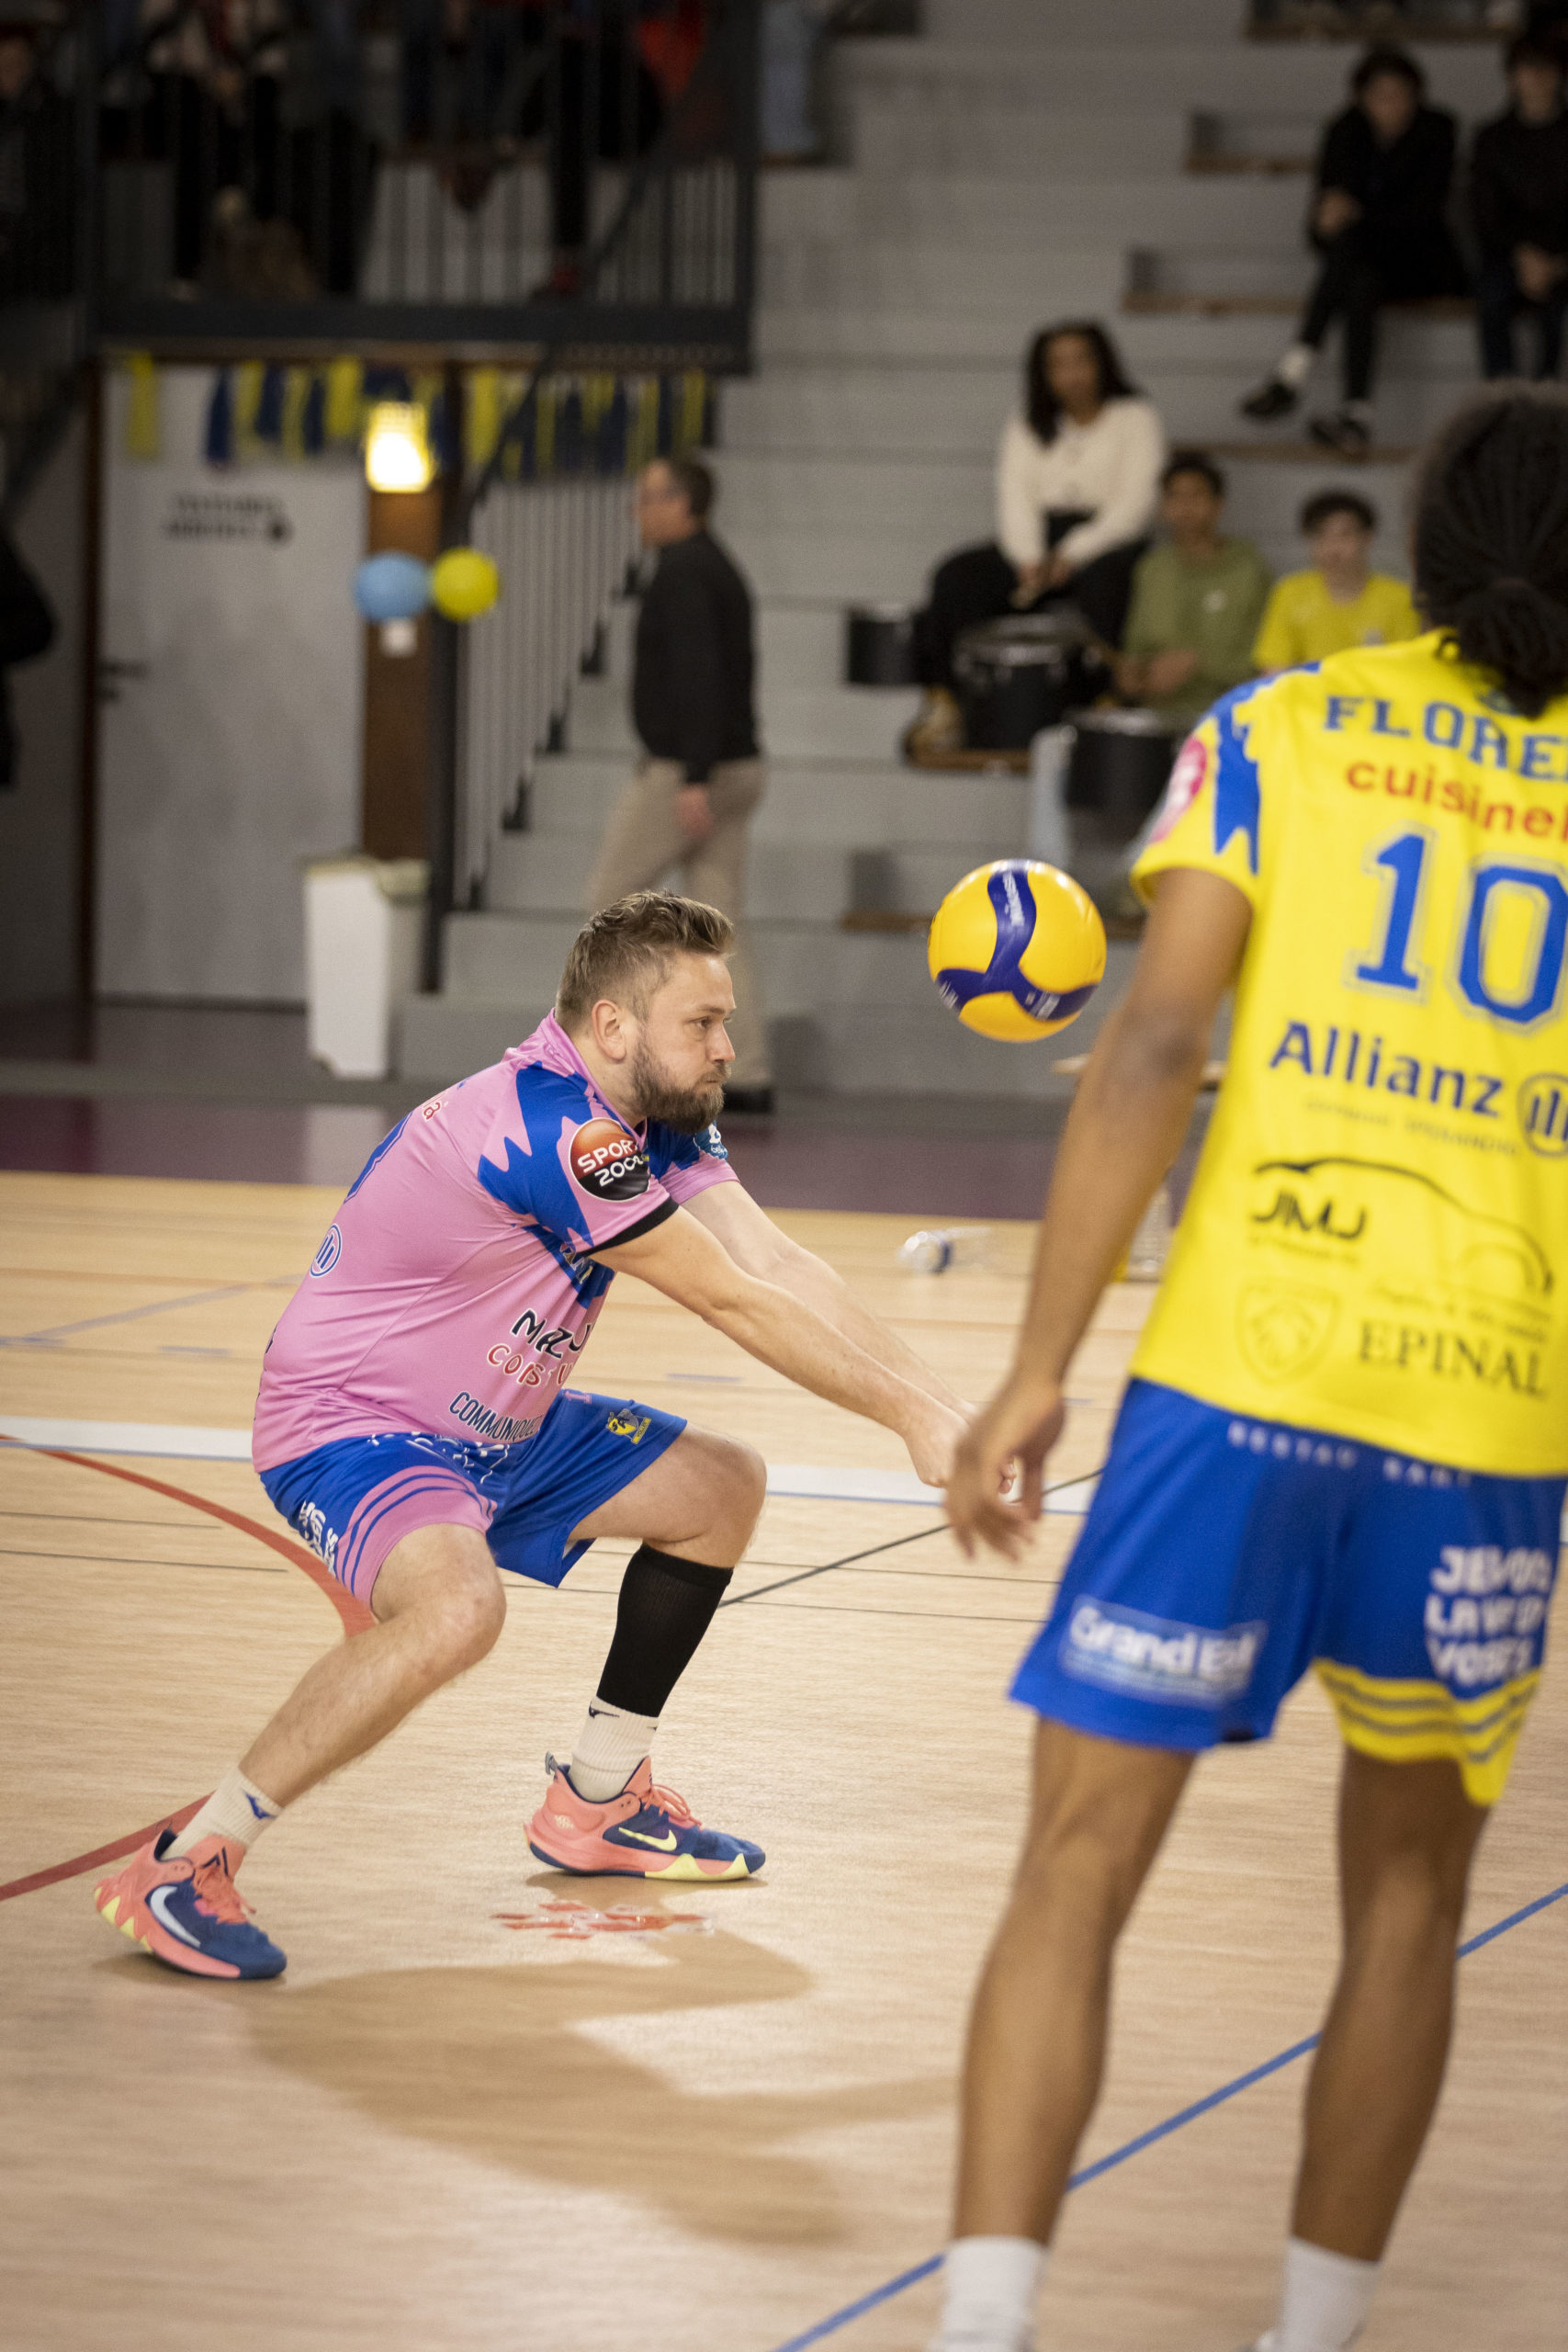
(127, 1315)
(884, 2293)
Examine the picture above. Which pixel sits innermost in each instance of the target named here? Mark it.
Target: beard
(687, 1109)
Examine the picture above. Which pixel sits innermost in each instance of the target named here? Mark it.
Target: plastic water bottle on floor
(936, 1248)
(1150, 1246)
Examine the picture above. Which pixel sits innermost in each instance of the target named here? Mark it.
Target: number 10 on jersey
(1509, 939)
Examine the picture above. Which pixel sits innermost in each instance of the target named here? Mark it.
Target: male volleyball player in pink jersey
(415, 1424)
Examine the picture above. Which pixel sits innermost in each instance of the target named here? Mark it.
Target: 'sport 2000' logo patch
(608, 1163)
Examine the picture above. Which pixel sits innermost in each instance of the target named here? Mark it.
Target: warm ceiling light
(397, 455)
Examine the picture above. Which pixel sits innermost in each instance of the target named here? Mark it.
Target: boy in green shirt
(1341, 603)
(1197, 600)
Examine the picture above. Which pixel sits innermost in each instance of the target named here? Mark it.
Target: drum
(879, 646)
(1018, 676)
(1120, 765)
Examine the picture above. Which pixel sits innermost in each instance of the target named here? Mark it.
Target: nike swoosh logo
(158, 1903)
(665, 1844)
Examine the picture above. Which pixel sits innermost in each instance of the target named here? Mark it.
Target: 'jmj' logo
(1543, 1113)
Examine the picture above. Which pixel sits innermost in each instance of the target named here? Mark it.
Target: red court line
(81, 1862)
(356, 1617)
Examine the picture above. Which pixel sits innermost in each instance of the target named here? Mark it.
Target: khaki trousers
(642, 842)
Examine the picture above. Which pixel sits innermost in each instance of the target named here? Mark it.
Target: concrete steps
(855, 1011)
(1017, 281)
(1021, 162)
(792, 719)
(869, 804)
(1054, 205)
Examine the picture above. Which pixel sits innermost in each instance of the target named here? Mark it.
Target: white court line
(807, 1482)
(803, 1481)
(130, 1437)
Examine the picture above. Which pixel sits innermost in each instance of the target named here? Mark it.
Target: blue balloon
(391, 587)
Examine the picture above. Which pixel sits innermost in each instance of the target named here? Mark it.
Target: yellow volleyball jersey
(1376, 1242)
(1302, 623)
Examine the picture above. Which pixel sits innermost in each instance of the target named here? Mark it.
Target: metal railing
(553, 508)
(350, 174)
(1383, 21)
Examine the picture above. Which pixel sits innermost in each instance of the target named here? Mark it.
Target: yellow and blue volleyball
(1017, 949)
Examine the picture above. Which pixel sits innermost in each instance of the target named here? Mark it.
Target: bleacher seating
(1136, 160)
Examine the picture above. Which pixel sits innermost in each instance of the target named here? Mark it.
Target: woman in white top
(1078, 483)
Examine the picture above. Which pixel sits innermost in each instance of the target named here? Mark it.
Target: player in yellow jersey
(1345, 1439)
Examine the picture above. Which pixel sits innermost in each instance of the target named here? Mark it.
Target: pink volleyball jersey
(453, 1294)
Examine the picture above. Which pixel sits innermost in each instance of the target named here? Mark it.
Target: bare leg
(1037, 2035)
(700, 1501)
(1407, 1834)
(439, 1608)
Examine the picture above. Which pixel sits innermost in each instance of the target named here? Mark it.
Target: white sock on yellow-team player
(1324, 2301)
(993, 2285)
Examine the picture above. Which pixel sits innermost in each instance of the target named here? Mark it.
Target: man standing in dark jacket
(26, 629)
(1518, 194)
(1379, 220)
(693, 795)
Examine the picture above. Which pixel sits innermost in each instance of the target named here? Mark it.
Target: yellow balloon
(464, 583)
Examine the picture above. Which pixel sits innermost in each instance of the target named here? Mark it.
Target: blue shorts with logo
(355, 1498)
(1224, 1556)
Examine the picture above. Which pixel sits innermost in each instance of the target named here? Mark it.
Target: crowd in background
(271, 120)
(1095, 513)
(1383, 226)
(1083, 478)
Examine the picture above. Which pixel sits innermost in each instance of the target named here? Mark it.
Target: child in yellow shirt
(1340, 604)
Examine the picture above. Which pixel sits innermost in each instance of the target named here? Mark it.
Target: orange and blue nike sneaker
(186, 1911)
(645, 1832)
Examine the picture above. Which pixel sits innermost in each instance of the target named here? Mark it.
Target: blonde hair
(626, 951)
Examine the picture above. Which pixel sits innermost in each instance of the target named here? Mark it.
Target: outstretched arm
(1133, 1104)
(685, 1261)
(750, 1235)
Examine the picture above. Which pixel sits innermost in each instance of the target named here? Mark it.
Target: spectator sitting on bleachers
(1518, 196)
(1379, 220)
(1340, 602)
(1196, 600)
(1077, 474)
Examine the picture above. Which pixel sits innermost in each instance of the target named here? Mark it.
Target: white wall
(237, 754)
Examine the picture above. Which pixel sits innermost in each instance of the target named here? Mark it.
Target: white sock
(236, 1811)
(993, 2285)
(1324, 2302)
(611, 1744)
(1296, 366)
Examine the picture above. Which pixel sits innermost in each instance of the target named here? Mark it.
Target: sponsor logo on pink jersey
(608, 1163)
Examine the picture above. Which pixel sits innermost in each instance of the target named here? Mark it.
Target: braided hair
(1492, 541)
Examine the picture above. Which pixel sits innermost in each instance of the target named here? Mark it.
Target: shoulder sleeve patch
(687, 1165)
(1210, 816)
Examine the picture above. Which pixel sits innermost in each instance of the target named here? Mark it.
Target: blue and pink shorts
(354, 1499)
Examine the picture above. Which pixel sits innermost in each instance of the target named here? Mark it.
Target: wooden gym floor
(494, 2109)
